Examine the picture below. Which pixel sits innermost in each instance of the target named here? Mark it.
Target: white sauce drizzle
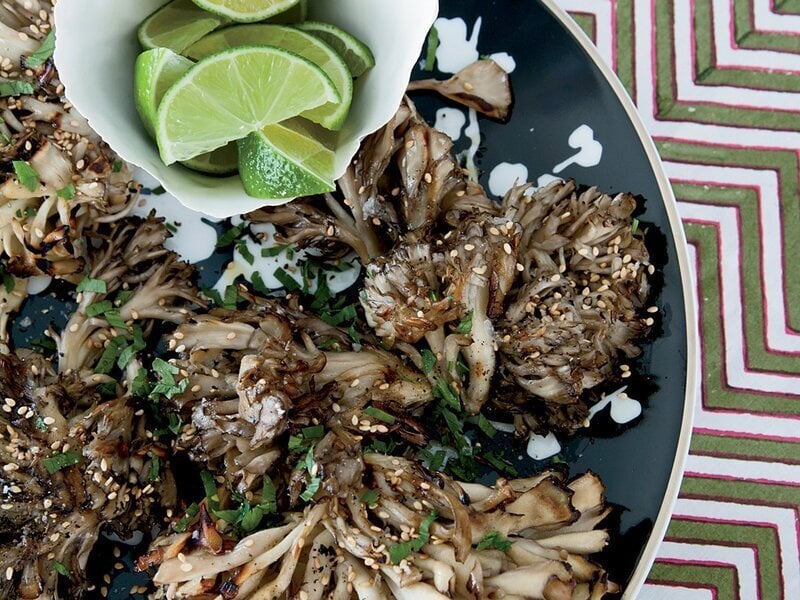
(542, 447)
(505, 176)
(450, 121)
(546, 179)
(265, 266)
(38, 284)
(624, 409)
(505, 60)
(455, 51)
(473, 132)
(194, 240)
(590, 151)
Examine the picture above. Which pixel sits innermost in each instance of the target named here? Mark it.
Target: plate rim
(662, 521)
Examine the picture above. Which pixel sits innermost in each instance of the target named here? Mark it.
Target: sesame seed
(186, 567)
(428, 178)
(626, 374)
(520, 267)
(652, 309)
(468, 86)
(556, 277)
(134, 315)
(469, 247)
(507, 248)
(230, 336)
(9, 573)
(355, 382)
(494, 231)
(354, 420)
(649, 321)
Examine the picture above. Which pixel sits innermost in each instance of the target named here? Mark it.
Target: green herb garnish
(428, 361)
(27, 175)
(465, 324)
(97, 286)
(15, 88)
(67, 192)
(377, 413)
(370, 497)
(494, 540)
(60, 461)
(44, 52)
(191, 512)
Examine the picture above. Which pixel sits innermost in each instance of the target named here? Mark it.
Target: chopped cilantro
(322, 296)
(428, 361)
(258, 284)
(328, 344)
(241, 247)
(311, 489)
(167, 386)
(382, 447)
(140, 387)
(15, 88)
(494, 540)
(351, 331)
(210, 489)
(296, 442)
(110, 355)
(230, 236)
(158, 191)
(9, 283)
(171, 228)
(122, 297)
(27, 175)
(370, 497)
(98, 308)
(380, 415)
(130, 351)
(39, 423)
(433, 45)
(398, 552)
(500, 464)
(62, 460)
(67, 192)
(315, 432)
(465, 325)
(445, 393)
(97, 286)
(635, 225)
(486, 427)
(108, 389)
(155, 467)
(286, 280)
(44, 52)
(272, 252)
(191, 512)
(117, 166)
(61, 569)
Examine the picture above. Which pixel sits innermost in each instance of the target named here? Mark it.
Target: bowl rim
(662, 521)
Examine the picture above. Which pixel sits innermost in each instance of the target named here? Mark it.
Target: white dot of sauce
(38, 284)
(505, 60)
(450, 121)
(624, 409)
(455, 50)
(505, 176)
(542, 447)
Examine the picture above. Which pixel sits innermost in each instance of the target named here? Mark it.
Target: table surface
(717, 83)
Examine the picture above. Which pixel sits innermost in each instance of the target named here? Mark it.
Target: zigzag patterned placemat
(717, 83)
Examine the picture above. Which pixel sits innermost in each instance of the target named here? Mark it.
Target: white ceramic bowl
(96, 48)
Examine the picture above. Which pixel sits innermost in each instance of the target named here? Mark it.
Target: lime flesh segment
(155, 72)
(229, 95)
(246, 11)
(332, 115)
(356, 55)
(281, 161)
(223, 161)
(177, 26)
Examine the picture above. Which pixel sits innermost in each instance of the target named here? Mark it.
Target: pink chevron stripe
(745, 456)
(748, 436)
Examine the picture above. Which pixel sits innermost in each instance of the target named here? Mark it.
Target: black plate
(558, 87)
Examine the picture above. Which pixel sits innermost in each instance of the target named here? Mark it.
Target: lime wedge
(358, 58)
(331, 115)
(155, 72)
(282, 161)
(233, 93)
(222, 161)
(246, 11)
(177, 25)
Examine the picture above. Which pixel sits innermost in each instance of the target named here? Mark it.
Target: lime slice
(155, 72)
(222, 161)
(331, 115)
(229, 95)
(177, 25)
(297, 14)
(282, 161)
(246, 11)
(358, 58)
